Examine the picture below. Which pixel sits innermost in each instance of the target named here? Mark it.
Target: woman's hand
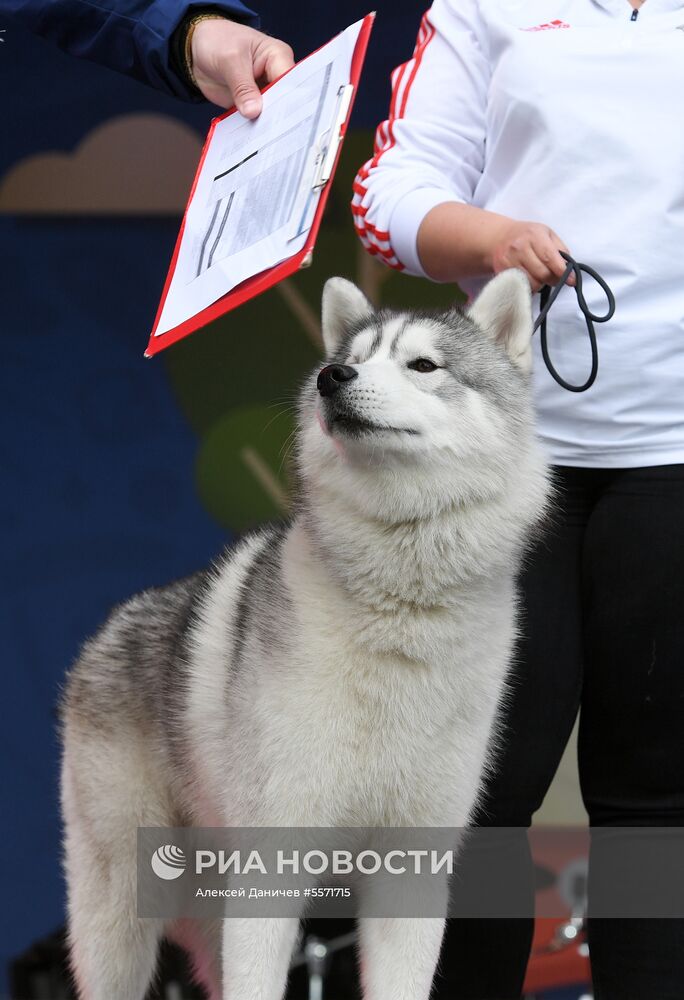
(533, 247)
(461, 241)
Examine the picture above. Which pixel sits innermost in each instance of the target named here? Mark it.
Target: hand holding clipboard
(258, 197)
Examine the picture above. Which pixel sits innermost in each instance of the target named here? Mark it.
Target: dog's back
(130, 670)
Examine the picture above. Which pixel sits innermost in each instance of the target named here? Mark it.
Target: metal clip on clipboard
(319, 167)
(329, 151)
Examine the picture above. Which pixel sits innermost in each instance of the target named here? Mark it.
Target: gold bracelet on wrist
(206, 15)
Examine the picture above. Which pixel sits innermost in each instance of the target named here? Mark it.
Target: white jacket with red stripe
(566, 112)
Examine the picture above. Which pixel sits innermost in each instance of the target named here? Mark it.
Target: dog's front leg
(256, 956)
(399, 956)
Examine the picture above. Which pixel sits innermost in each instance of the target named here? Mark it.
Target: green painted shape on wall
(242, 466)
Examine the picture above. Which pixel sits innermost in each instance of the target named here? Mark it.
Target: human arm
(141, 38)
(412, 201)
(457, 241)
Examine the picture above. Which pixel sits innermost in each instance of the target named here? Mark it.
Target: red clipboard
(258, 283)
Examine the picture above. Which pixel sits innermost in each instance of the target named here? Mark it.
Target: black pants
(603, 634)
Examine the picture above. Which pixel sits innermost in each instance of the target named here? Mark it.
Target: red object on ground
(551, 968)
(557, 961)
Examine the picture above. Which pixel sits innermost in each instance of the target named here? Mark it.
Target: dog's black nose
(331, 378)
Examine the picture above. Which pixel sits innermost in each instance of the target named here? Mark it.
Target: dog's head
(437, 399)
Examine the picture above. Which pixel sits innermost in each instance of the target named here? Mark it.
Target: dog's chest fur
(349, 682)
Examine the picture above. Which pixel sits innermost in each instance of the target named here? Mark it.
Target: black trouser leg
(631, 747)
(485, 959)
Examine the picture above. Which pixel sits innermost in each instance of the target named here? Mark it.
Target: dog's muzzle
(332, 377)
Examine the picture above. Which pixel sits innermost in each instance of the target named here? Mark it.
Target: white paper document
(260, 182)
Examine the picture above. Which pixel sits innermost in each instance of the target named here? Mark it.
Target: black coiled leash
(548, 296)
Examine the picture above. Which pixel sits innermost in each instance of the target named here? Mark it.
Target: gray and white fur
(341, 669)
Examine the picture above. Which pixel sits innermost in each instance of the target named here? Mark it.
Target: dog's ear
(344, 305)
(503, 309)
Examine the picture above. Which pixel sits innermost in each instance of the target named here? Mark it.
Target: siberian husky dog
(343, 669)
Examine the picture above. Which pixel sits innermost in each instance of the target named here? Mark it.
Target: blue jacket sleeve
(131, 36)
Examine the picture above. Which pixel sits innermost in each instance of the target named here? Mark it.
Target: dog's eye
(423, 365)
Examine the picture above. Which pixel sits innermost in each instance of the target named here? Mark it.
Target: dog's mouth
(357, 426)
